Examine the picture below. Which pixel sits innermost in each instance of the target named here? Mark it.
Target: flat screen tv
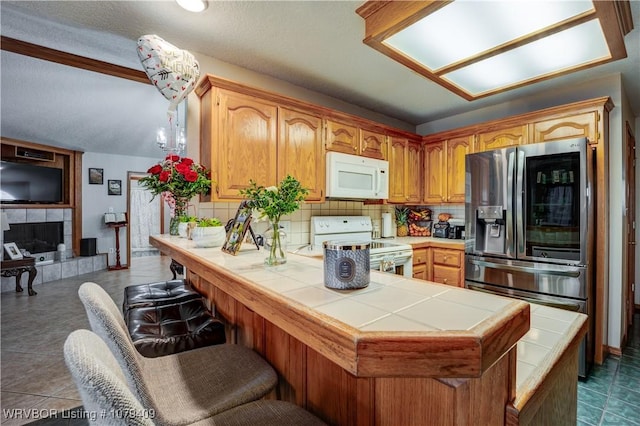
(22, 183)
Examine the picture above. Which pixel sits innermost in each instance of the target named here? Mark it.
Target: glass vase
(275, 242)
(174, 221)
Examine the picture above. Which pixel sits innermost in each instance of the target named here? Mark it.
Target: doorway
(145, 215)
(630, 200)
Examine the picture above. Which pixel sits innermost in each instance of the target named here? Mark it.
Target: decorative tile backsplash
(301, 219)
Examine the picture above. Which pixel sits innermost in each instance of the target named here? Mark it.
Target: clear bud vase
(275, 242)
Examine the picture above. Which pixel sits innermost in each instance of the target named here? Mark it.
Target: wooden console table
(15, 268)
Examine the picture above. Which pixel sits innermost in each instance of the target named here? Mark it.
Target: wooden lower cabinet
(311, 380)
(420, 263)
(448, 266)
(440, 265)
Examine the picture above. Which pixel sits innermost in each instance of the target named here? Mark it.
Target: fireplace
(38, 237)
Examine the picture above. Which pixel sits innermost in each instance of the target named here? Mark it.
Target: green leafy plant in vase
(208, 232)
(272, 203)
(185, 224)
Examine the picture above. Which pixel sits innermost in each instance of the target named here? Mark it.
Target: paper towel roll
(387, 226)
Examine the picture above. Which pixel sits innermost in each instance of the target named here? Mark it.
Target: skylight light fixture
(193, 5)
(479, 48)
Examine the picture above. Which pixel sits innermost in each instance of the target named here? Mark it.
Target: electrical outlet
(286, 226)
(111, 250)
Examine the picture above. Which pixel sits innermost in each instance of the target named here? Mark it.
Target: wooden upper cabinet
(434, 173)
(342, 137)
(246, 144)
(503, 138)
(300, 150)
(351, 139)
(397, 169)
(405, 167)
(414, 170)
(457, 149)
(571, 126)
(373, 144)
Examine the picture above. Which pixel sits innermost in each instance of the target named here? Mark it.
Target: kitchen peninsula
(400, 351)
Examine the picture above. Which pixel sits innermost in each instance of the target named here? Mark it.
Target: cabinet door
(447, 257)
(456, 151)
(573, 126)
(413, 186)
(420, 272)
(397, 168)
(373, 144)
(503, 138)
(341, 137)
(300, 150)
(447, 275)
(246, 146)
(419, 256)
(434, 173)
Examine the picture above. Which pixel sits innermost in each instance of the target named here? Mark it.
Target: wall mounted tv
(22, 183)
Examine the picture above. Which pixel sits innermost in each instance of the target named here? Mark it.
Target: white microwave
(356, 178)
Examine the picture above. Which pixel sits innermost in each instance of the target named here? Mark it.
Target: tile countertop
(393, 304)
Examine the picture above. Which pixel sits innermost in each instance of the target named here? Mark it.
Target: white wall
(607, 86)
(96, 201)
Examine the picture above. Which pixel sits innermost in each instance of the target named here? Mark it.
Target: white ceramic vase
(209, 236)
(182, 229)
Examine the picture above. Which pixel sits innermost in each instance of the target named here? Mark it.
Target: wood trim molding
(64, 58)
(614, 351)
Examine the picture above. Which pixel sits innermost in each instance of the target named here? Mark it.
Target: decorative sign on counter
(238, 229)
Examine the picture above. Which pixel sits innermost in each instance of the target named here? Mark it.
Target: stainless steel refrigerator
(529, 232)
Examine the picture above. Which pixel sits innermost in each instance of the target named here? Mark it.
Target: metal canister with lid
(346, 265)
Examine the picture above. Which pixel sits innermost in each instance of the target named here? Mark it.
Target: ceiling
(316, 45)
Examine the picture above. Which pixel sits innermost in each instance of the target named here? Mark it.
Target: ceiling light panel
(464, 29)
(580, 45)
(193, 5)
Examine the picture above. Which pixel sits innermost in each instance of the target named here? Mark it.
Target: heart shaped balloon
(173, 71)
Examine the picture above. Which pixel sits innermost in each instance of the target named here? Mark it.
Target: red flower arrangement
(177, 180)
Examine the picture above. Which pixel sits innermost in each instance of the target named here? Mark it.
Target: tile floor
(34, 378)
(611, 394)
(35, 382)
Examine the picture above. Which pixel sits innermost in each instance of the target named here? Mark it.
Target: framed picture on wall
(114, 187)
(95, 176)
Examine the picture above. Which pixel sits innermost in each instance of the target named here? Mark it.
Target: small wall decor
(238, 229)
(114, 187)
(95, 176)
(13, 251)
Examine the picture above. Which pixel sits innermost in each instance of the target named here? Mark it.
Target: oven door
(399, 263)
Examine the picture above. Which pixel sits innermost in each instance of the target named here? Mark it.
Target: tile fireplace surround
(57, 270)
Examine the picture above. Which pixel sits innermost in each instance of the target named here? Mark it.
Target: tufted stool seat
(158, 293)
(171, 328)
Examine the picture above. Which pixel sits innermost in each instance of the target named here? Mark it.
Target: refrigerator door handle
(510, 245)
(519, 204)
(531, 270)
(566, 306)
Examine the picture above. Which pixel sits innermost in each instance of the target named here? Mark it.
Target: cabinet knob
(444, 281)
(355, 148)
(445, 258)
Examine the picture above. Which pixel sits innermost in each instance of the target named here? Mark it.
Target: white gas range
(385, 255)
